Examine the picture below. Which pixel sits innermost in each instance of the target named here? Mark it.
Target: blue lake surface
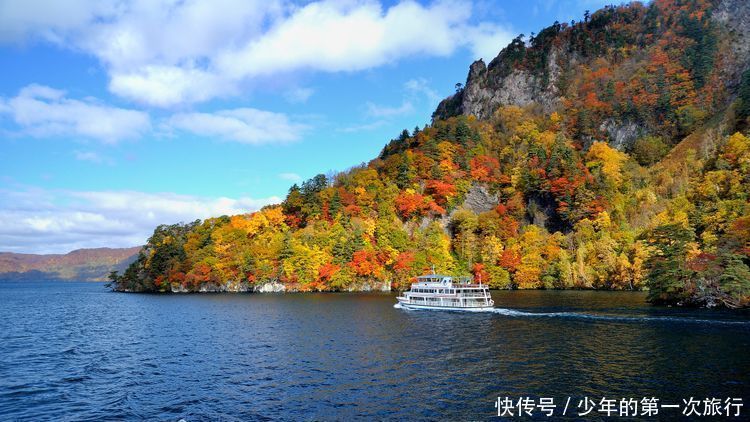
(75, 351)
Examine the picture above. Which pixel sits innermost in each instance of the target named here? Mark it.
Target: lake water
(77, 351)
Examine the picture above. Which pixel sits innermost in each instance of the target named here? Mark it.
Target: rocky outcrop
(512, 78)
(371, 286)
(237, 287)
(273, 287)
(489, 87)
(541, 210)
(479, 199)
(270, 287)
(174, 288)
(734, 15)
(622, 135)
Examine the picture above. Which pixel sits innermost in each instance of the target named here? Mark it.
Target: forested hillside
(610, 153)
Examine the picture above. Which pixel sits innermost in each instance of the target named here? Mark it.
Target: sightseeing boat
(445, 292)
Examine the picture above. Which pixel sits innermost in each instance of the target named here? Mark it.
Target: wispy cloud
(363, 127)
(376, 110)
(37, 220)
(92, 157)
(417, 95)
(291, 177)
(41, 111)
(298, 95)
(245, 125)
(418, 90)
(487, 39)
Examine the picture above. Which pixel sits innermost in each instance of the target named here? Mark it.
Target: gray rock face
(490, 87)
(270, 287)
(622, 135)
(372, 286)
(734, 15)
(479, 199)
(232, 287)
(238, 287)
(178, 288)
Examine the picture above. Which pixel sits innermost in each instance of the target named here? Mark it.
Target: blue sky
(118, 116)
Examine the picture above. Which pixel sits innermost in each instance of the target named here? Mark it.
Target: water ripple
(77, 352)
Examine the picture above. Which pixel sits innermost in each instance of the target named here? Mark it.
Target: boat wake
(514, 313)
(618, 318)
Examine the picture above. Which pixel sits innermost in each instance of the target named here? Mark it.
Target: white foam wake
(514, 313)
(621, 318)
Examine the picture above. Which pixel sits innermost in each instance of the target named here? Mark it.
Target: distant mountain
(79, 265)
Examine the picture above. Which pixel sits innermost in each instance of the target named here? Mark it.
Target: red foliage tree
(327, 270)
(404, 262)
(510, 260)
(440, 191)
(411, 205)
(484, 168)
(479, 273)
(365, 264)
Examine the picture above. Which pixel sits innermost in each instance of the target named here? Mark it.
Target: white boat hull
(407, 305)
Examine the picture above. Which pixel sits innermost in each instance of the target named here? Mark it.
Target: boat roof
(442, 277)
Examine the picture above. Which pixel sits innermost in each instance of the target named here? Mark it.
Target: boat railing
(450, 298)
(473, 304)
(450, 295)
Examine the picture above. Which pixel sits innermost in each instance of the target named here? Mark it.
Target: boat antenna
(433, 269)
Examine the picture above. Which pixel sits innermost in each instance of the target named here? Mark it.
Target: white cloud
(299, 95)
(348, 36)
(166, 86)
(169, 53)
(417, 95)
(170, 32)
(420, 86)
(363, 127)
(47, 221)
(376, 110)
(486, 40)
(291, 177)
(42, 111)
(92, 157)
(245, 125)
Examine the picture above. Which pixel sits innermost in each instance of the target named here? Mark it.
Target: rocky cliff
(545, 70)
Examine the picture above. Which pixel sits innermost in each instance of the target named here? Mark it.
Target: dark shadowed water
(76, 351)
